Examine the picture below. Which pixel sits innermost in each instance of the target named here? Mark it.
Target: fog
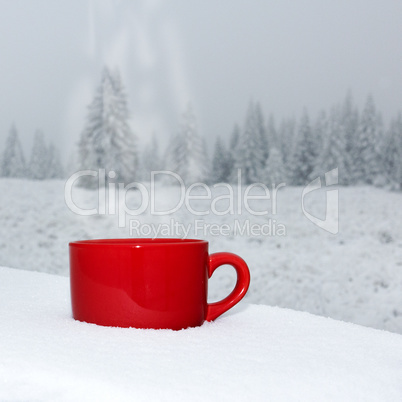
(218, 55)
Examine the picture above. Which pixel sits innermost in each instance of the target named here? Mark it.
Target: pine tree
(13, 161)
(221, 167)
(261, 133)
(320, 131)
(392, 153)
(232, 156)
(186, 153)
(250, 154)
(272, 134)
(55, 167)
(274, 172)
(124, 142)
(286, 135)
(172, 153)
(235, 137)
(151, 160)
(381, 178)
(38, 163)
(107, 141)
(365, 155)
(349, 126)
(333, 153)
(304, 153)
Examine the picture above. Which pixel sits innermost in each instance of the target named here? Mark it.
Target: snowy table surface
(253, 353)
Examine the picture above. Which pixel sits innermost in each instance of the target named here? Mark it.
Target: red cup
(149, 283)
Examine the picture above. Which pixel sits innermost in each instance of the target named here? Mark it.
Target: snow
(254, 353)
(354, 276)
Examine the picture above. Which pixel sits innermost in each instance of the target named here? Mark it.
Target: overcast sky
(216, 54)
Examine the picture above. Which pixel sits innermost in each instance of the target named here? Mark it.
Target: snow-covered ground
(354, 276)
(256, 353)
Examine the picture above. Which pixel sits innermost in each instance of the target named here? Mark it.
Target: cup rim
(137, 242)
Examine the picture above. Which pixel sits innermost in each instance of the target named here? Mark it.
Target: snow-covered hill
(354, 276)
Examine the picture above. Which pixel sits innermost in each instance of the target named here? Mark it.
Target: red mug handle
(214, 310)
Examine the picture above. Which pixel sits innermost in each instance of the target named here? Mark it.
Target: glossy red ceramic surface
(148, 283)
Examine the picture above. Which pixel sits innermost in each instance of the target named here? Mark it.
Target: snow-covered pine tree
(55, 168)
(272, 134)
(333, 152)
(381, 178)
(349, 126)
(187, 155)
(304, 153)
(13, 161)
(125, 157)
(232, 153)
(171, 153)
(286, 135)
(261, 133)
(320, 130)
(235, 137)
(151, 159)
(107, 141)
(250, 154)
(365, 155)
(221, 168)
(38, 163)
(274, 172)
(392, 153)
(207, 166)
